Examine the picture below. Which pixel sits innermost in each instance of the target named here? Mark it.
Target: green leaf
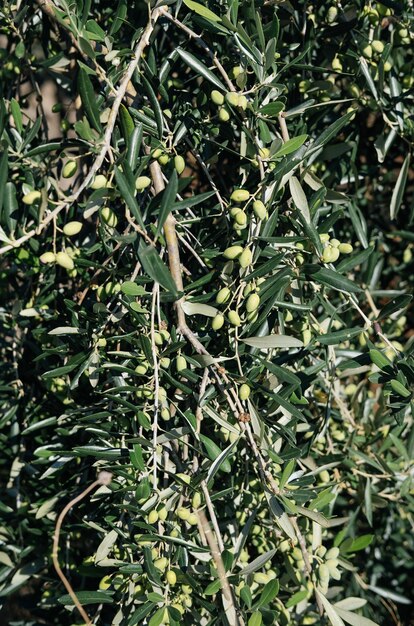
(212, 588)
(270, 591)
(396, 304)
(258, 562)
(333, 279)
(272, 109)
(354, 545)
(299, 197)
(200, 68)
(296, 598)
(202, 10)
(197, 308)
(167, 201)
(255, 619)
(130, 288)
(127, 192)
(290, 146)
(329, 610)
(17, 115)
(156, 268)
(329, 133)
(353, 618)
(88, 597)
(398, 193)
(338, 336)
(213, 452)
(273, 341)
(399, 388)
(158, 617)
(127, 123)
(4, 170)
(88, 97)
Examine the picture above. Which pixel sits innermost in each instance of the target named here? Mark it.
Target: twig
(104, 478)
(228, 599)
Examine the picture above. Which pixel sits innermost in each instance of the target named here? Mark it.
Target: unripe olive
(240, 195)
(332, 14)
(108, 217)
(252, 303)
(184, 477)
(330, 254)
(141, 369)
(196, 501)
(180, 363)
(234, 318)
(48, 257)
(259, 209)
(223, 295)
(99, 182)
(304, 86)
(163, 159)
(232, 98)
(105, 583)
(165, 414)
(242, 102)
(171, 577)
(345, 248)
(101, 343)
(165, 362)
(336, 65)
(217, 97)
(217, 322)
(163, 514)
(235, 210)
(324, 476)
(179, 164)
(223, 114)
(64, 260)
(387, 66)
(193, 519)
(264, 153)
(236, 71)
(183, 513)
(153, 517)
(72, 228)
(378, 46)
(333, 553)
(156, 153)
(324, 237)
(367, 51)
(142, 182)
(31, 197)
(69, 169)
(233, 252)
(335, 243)
(158, 340)
(244, 392)
(165, 334)
(246, 257)
(306, 336)
(161, 564)
(162, 395)
(260, 578)
(241, 218)
(323, 573)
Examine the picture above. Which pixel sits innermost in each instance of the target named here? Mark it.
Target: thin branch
(104, 478)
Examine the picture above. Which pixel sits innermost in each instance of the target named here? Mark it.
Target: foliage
(253, 402)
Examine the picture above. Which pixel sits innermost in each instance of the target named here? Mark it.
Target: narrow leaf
(398, 193)
(88, 97)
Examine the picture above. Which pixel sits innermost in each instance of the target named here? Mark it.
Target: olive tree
(207, 356)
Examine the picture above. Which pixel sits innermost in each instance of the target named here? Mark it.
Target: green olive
(240, 195)
(72, 228)
(217, 97)
(246, 257)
